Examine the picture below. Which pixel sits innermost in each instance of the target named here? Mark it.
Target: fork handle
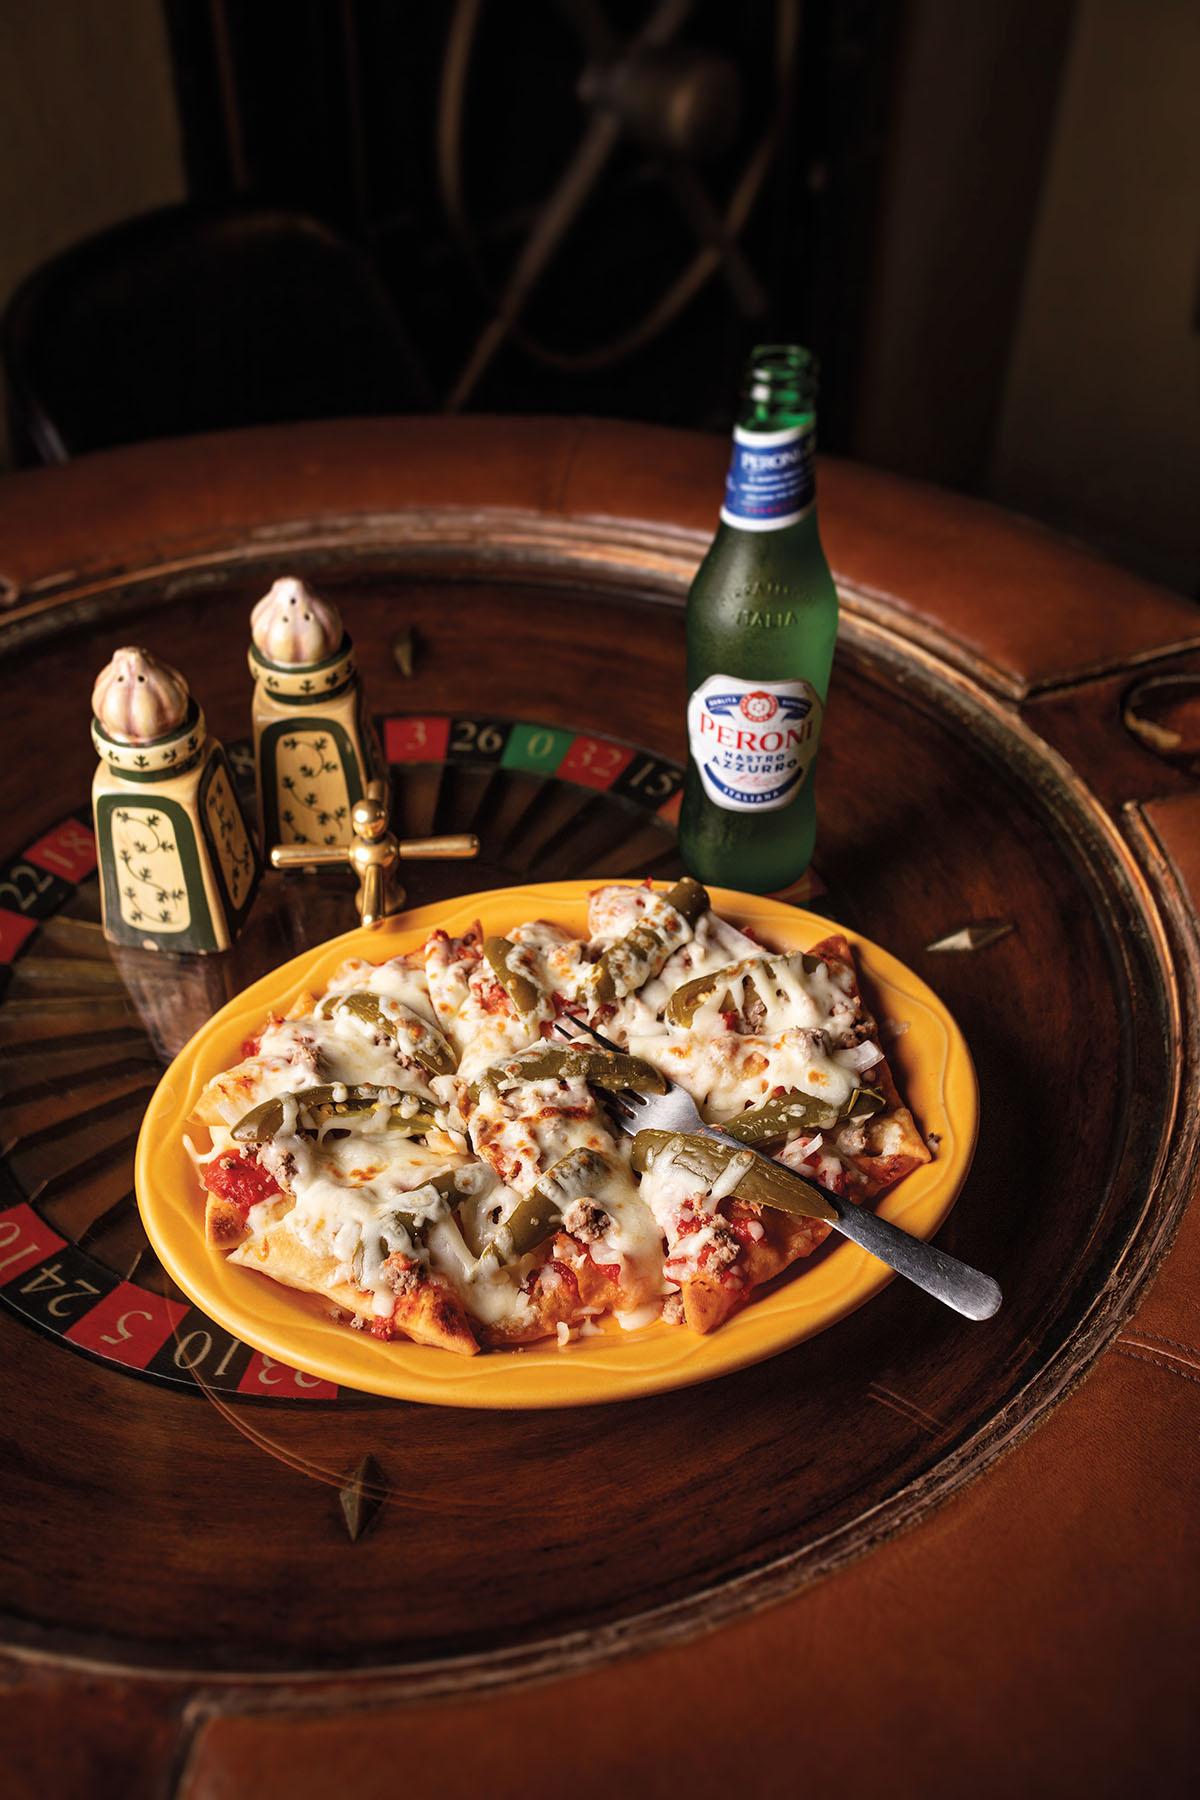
(956, 1284)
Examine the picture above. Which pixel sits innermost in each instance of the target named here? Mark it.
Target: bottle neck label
(753, 741)
(771, 481)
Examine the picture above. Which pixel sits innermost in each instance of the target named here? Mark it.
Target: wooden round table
(909, 1552)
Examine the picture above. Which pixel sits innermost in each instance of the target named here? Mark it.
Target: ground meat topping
(860, 1032)
(584, 1219)
(723, 1247)
(754, 1015)
(401, 1275)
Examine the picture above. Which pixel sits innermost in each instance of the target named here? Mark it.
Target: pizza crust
(427, 1311)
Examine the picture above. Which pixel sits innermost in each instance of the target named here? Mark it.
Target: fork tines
(580, 1025)
(620, 1100)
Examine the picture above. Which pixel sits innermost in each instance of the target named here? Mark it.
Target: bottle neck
(771, 482)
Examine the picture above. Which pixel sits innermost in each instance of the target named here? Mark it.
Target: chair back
(184, 320)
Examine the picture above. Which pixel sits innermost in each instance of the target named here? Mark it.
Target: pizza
(420, 1146)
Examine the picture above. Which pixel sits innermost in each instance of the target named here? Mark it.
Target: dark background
(335, 109)
(952, 204)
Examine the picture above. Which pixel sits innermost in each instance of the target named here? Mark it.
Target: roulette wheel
(198, 1537)
(84, 1027)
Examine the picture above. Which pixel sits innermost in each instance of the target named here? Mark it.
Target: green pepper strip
(630, 963)
(775, 1118)
(425, 1042)
(501, 955)
(765, 1184)
(687, 1000)
(689, 898)
(446, 1184)
(539, 1214)
(566, 1062)
(317, 1106)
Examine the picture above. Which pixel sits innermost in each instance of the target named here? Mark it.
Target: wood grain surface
(175, 1564)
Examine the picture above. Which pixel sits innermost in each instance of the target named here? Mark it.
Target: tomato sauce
(240, 1181)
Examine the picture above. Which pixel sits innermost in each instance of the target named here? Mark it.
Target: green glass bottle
(761, 625)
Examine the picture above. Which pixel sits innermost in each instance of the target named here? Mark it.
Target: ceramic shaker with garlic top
(178, 867)
(315, 748)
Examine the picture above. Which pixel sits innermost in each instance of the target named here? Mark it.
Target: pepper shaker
(315, 749)
(178, 867)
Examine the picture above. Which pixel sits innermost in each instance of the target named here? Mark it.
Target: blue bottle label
(753, 741)
(770, 482)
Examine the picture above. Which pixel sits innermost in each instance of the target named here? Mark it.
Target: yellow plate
(933, 1070)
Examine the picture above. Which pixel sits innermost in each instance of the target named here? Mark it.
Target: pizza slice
(578, 1230)
(782, 1053)
(421, 1305)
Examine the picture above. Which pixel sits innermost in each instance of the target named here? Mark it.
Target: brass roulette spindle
(375, 855)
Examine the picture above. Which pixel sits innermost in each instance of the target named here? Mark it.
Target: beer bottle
(761, 624)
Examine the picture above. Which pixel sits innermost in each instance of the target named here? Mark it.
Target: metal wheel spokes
(610, 86)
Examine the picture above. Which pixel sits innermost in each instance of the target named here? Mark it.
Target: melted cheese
(684, 1211)
(349, 1194)
(315, 1052)
(359, 1192)
(801, 1017)
(399, 980)
(524, 1127)
(713, 945)
(614, 911)
(553, 959)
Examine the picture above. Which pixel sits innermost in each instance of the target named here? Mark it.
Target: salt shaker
(178, 867)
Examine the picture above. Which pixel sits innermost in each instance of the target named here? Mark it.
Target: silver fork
(956, 1284)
